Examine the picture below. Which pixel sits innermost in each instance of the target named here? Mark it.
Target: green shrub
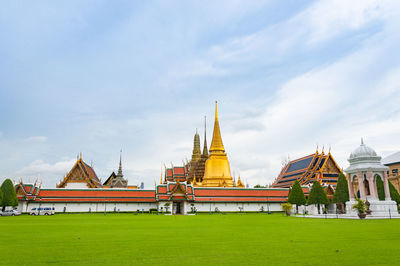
(359, 206)
(287, 208)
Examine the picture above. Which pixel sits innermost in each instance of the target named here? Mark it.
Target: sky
(95, 77)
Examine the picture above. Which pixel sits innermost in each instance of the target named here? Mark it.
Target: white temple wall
(89, 207)
(70, 207)
(234, 207)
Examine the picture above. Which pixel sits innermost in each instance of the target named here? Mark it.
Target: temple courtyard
(201, 239)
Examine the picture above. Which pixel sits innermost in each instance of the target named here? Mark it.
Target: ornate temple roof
(307, 169)
(81, 173)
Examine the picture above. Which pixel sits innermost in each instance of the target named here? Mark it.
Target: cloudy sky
(99, 76)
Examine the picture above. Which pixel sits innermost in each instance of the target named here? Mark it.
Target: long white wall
(236, 207)
(71, 207)
(89, 207)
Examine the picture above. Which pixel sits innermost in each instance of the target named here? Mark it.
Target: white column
(361, 185)
(350, 185)
(386, 186)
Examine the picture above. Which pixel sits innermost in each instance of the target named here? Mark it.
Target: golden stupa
(217, 171)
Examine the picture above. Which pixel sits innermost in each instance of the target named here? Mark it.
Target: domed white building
(365, 167)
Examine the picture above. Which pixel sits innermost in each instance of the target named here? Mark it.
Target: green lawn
(201, 239)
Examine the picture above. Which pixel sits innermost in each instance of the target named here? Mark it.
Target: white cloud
(46, 172)
(326, 19)
(356, 96)
(36, 139)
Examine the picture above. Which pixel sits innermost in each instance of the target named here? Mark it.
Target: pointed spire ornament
(216, 142)
(161, 179)
(196, 153)
(205, 148)
(120, 165)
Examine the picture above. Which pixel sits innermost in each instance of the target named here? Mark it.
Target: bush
(287, 208)
(359, 206)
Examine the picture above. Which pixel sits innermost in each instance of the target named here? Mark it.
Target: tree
(296, 195)
(9, 194)
(1, 198)
(379, 187)
(259, 186)
(317, 195)
(394, 194)
(342, 191)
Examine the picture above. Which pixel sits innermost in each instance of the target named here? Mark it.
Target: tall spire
(120, 165)
(216, 143)
(205, 149)
(196, 154)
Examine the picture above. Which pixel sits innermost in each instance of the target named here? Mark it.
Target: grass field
(201, 239)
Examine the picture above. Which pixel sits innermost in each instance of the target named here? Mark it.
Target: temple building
(393, 162)
(319, 167)
(198, 162)
(204, 184)
(80, 176)
(364, 170)
(208, 168)
(117, 180)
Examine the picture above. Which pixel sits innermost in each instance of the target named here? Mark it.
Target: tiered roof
(176, 173)
(318, 166)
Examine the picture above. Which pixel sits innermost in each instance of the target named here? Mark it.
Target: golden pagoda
(217, 171)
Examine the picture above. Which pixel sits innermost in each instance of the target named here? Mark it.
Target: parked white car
(42, 211)
(10, 213)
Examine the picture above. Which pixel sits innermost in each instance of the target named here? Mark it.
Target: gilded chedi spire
(216, 143)
(217, 170)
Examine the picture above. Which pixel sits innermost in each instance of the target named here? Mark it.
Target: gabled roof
(82, 173)
(111, 178)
